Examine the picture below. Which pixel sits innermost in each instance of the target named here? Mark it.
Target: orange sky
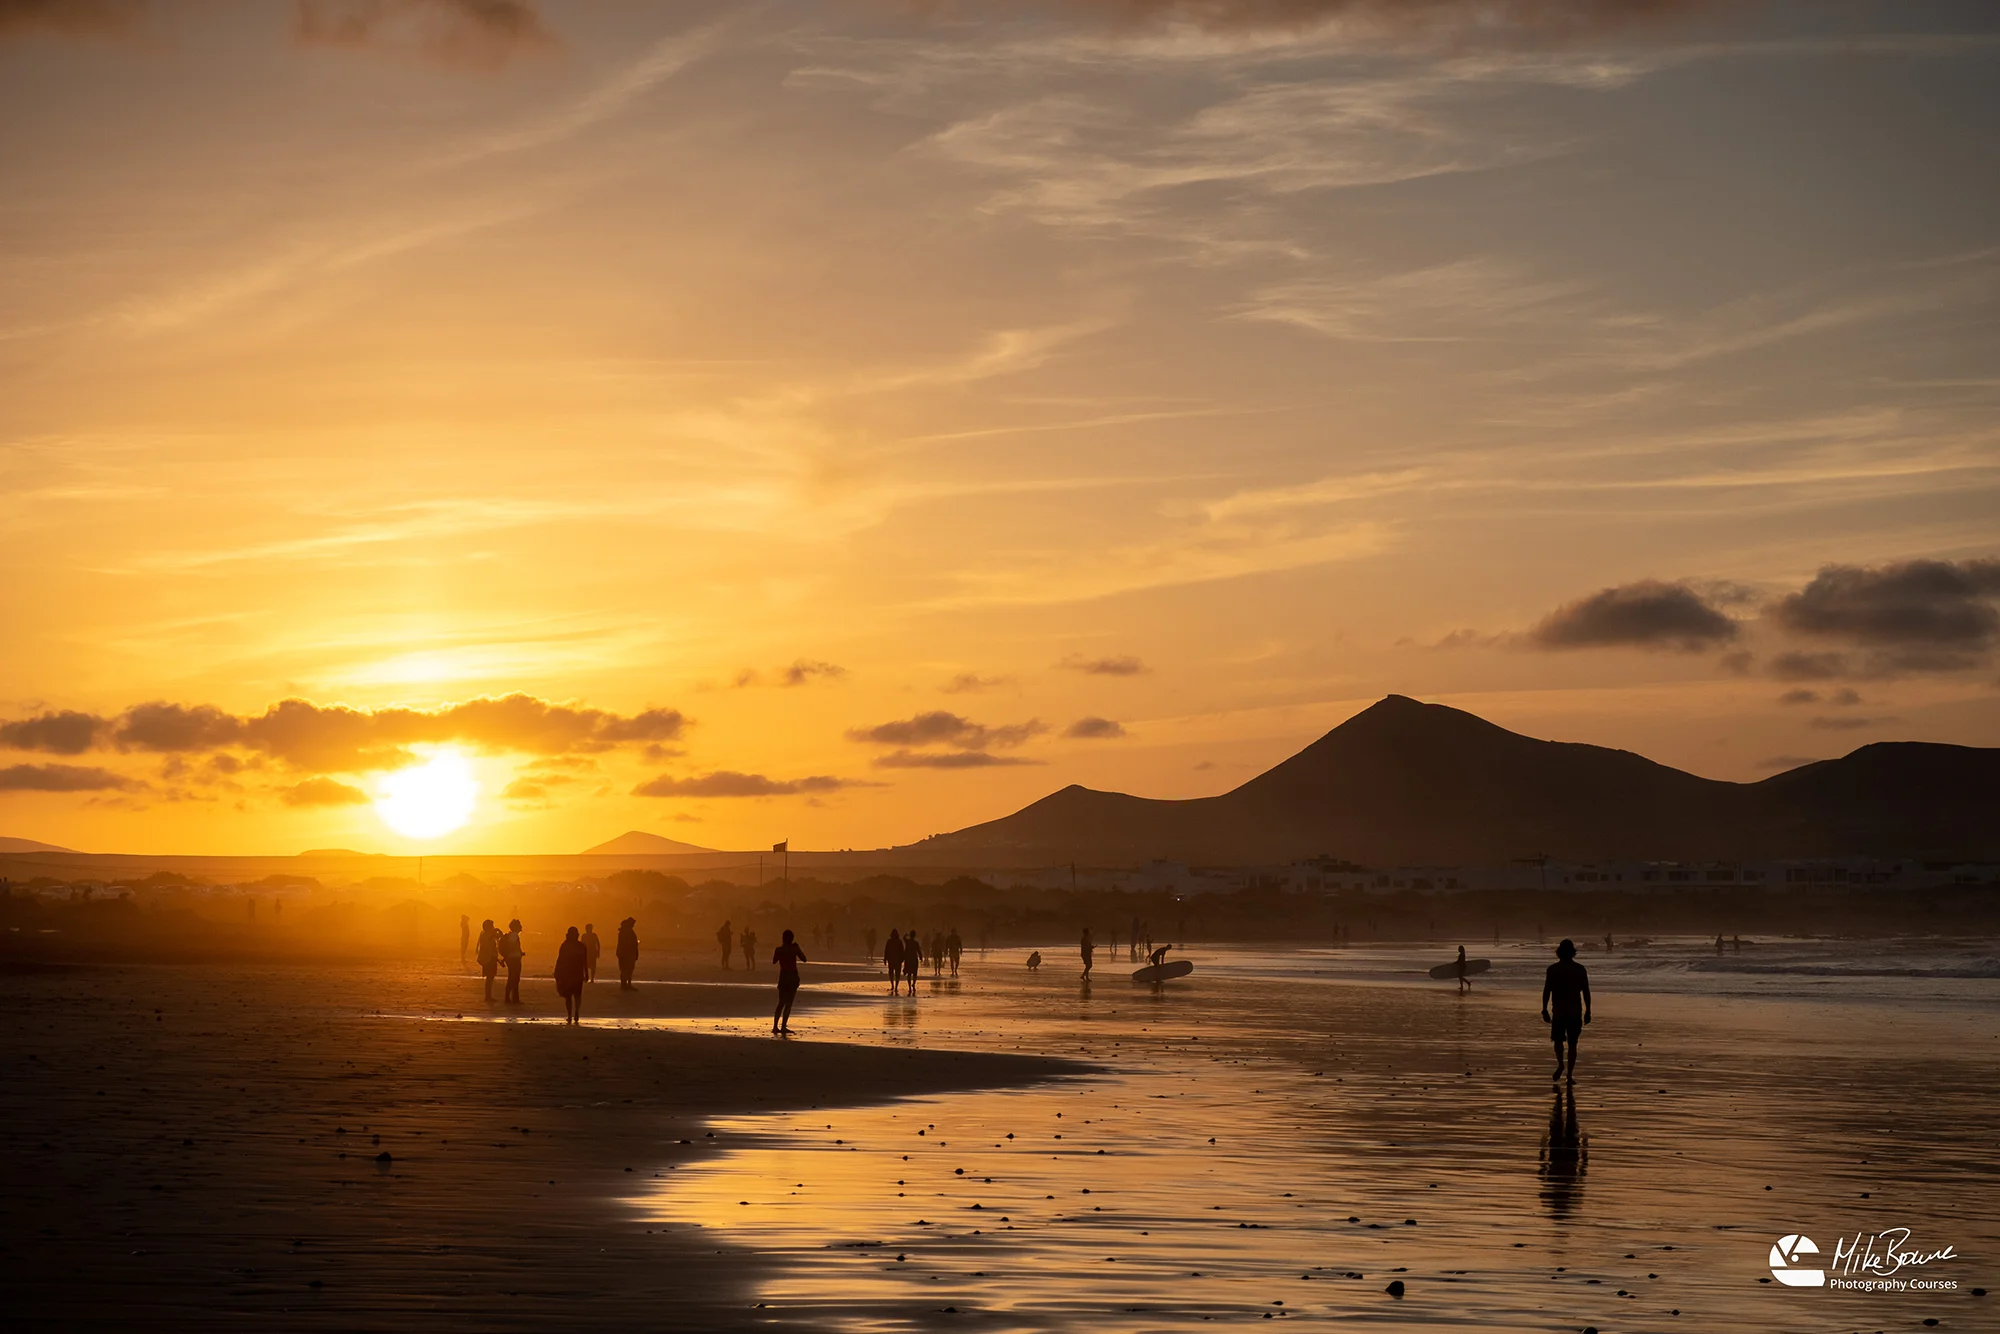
(921, 408)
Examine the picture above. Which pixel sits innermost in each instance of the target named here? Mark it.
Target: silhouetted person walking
(464, 937)
(593, 947)
(955, 946)
(1088, 950)
(1464, 982)
(913, 958)
(628, 952)
(1566, 1006)
(749, 950)
(510, 953)
(726, 938)
(788, 956)
(489, 954)
(572, 966)
(892, 956)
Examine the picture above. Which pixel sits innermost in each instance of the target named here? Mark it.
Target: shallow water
(1283, 1133)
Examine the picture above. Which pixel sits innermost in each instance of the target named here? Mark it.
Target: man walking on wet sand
(725, 938)
(892, 955)
(1088, 950)
(1566, 993)
(788, 957)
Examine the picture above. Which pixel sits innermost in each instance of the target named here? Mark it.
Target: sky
(847, 421)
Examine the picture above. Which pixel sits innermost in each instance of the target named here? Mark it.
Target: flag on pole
(782, 847)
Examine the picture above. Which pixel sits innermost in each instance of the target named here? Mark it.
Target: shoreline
(195, 1146)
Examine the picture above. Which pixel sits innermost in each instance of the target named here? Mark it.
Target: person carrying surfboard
(1464, 982)
(1159, 956)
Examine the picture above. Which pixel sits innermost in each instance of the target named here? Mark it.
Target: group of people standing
(576, 959)
(903, 955)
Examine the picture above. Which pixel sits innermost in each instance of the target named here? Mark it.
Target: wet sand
(1281, 1136)
(198, 1146)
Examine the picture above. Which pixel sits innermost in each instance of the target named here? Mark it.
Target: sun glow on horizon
(431, 799)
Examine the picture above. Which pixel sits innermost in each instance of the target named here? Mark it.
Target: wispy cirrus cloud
(729, 783)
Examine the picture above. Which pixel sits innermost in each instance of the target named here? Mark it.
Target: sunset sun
(431, 799)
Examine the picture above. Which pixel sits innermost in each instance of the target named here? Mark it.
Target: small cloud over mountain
(1120, 665)
(1649, 614)
(729, 783)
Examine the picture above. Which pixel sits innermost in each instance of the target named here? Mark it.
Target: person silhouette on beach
(1087, 950)
(1718, 942)
(788, 956)
(511, 954)
(870, 939)
(1566, 991)
(749, 950)
(593, 947)
(1034, 961)
(489, 954)
(892, 956)
(1736, 944)
(627, 950)
(572, 966)
(954, 946)
(464, 937)
(1158, 956)
(1464, 982)
(725, 937)
(913, 958)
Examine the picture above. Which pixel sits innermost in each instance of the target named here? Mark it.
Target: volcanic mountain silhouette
(637, 842)
(1405, 783)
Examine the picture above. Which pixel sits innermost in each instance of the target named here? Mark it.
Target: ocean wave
(1965, 968)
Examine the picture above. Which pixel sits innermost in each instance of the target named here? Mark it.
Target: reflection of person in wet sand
(892, 956)
(510, 951)
(628, 951)
(592, 948)
(1565, 1156)
(1464, 982)
(1566, 996)
(1088, 950)
(489, 953)
(788, 956)
(572, 966)
(1034, 961)
(726, 938)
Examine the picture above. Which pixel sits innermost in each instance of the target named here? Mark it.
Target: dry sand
(198, 1146)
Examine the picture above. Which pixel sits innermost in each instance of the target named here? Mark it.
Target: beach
(194, 1146)
(1283, 1135)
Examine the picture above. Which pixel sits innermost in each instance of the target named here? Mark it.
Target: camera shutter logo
(1785, 1259)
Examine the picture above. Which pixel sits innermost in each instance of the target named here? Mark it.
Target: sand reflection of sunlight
(431, 799)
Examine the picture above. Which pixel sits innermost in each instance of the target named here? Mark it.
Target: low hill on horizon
(638, 843)
(1407, 783)
(29, 845)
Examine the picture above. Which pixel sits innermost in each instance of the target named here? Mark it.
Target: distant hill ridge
(29, 845)
(1407, 783)
(638, 843)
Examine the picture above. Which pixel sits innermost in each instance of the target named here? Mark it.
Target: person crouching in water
(788, 957)
(572, 966)
(489, 954)
(628, 951)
